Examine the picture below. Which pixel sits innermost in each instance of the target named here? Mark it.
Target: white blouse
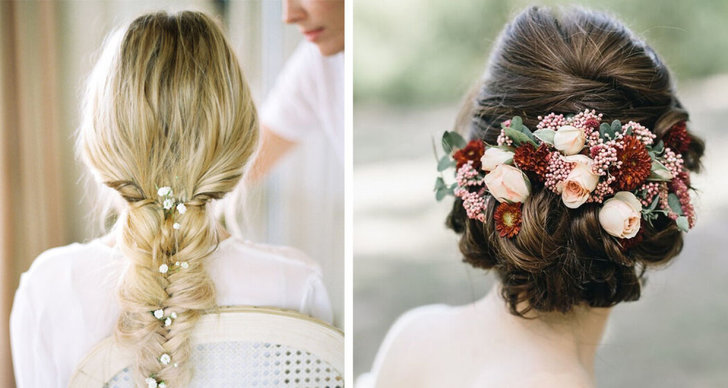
(67, 301)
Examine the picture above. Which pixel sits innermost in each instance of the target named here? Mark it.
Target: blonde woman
(169, 125)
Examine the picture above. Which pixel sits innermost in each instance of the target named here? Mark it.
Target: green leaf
(545, 135)
(452, 141)
(445, 163)
(682, 223)
(605, 132)
(441, 189)
(524, 130)
(628, 131)
(516, 123)
(674, 203)
(659, 147)
(518, 137)
(654, 203)
(616, 127)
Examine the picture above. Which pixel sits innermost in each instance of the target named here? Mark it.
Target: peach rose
(508, 184)
(569, 140)
(620, 216)
(493, 157)
(577, 187)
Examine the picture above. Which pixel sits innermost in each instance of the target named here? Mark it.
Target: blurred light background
(413, 62)
(46, 50)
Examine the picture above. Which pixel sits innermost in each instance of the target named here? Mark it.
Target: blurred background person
(308, 97)
(47, 50)
(404, 256)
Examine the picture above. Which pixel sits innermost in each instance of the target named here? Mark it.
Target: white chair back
(239, 347)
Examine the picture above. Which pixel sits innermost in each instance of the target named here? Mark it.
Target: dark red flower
(529, 158)
(636, 164)
(508, 219)
(627, 243)
(473, 151)
(677, 138)
(592, 124)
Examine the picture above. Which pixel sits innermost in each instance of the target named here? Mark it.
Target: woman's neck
(575, 335)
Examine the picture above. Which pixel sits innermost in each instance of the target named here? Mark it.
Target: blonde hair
(166, 105)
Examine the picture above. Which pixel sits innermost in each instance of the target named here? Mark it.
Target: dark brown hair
(565, 63)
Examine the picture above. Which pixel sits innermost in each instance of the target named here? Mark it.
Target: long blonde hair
(166, 106)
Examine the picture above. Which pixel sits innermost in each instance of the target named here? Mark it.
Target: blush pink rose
(620, 216)
(508, 184)
(569, 140)
(493, 157)
(580, 183)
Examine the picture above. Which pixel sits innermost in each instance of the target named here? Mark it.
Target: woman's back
(475, 345)
(67, 301)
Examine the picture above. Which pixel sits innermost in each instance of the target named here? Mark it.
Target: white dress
(67, 301)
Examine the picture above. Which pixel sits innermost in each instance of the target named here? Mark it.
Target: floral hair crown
(580, 158)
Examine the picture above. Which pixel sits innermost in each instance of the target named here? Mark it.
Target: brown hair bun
(566, 63)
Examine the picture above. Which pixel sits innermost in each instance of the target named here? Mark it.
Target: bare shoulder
(414, 335)
(555, 380)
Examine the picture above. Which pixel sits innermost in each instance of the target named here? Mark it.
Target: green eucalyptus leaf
(616, 127)
(674, 203)
(654, 203)
(518, 137)
(629, 131)
(545, 135)
(524, 130)
(445, 163)
(452, 141)
(682, 223)
(517, 123)
(439, 183)
(440, 194)
(605, 132)
(659, 148)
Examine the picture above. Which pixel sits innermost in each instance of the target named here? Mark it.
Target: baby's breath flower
(168, 203)
(158, 313)
(185, 265)
(151, 382)
(176, 226)
(181, 208)
(164, 191)
(165, 359)
(163, 268)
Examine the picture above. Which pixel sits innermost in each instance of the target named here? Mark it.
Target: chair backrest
(239, 346)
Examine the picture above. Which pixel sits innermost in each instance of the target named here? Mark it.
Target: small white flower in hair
(162, 385)
(181, 208)
(164, 191)
(158, 313)
(151, 382)
(173, 315)
(168, 203)
(185, 265)
(176, 364)
(176, 226)
(165, 359)
(176, 263)
(167, 321)
(163, 268)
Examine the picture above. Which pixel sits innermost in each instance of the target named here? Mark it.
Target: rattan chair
(239, 347)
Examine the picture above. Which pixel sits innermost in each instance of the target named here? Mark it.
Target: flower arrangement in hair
(583, 159)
